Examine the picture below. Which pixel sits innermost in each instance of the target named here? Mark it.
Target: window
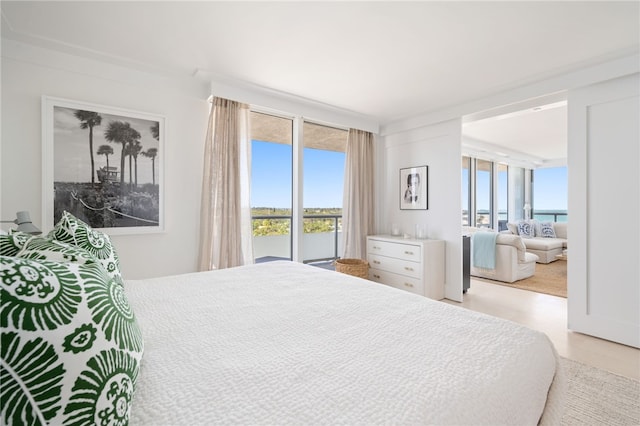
(323, 182)
(517, 185)
(271, 186)
(484, 183)
(502, 207)
(466, 193)
(283, 226)
(549, 186)
(492, 193)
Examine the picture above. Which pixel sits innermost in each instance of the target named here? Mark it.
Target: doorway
(514, 168)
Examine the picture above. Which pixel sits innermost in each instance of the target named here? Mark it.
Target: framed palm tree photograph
(104, 165)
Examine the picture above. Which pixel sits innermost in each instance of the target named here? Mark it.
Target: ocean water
(542, 215)
(552, 216)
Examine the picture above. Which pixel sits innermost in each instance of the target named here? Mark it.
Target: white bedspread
(288, 344)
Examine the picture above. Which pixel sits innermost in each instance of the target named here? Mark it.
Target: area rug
(597, 397)
(550, 278)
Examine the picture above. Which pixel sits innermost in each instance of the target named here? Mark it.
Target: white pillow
(513, 227)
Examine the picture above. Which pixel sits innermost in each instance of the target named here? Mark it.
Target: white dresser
(408, 264)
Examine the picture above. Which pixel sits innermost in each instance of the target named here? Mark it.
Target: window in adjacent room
(466, 193)
(502, 207)
(517, 193)
(483, 193)
(549, 201)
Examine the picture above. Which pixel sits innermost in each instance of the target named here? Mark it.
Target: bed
(279, 343)
(290, 344)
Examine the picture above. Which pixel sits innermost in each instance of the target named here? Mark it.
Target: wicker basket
(355, 267)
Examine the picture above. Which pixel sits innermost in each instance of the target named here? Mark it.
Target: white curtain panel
(358, 203)
(225, 213)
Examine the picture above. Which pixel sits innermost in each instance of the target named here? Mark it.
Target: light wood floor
(549, 314)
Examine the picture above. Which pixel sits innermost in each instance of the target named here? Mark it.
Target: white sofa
(513, 263)
(545, 248)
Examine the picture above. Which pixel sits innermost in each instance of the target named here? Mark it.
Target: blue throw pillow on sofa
(526, 229)
(546, 230)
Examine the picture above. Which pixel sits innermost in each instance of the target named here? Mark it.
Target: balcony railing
(544, 215)
(316, 246)
(483, 218)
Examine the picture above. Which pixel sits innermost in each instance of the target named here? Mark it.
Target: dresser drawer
(398, 250)
(402, 282)
(398, 266)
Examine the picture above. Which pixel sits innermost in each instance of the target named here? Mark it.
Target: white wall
(29, 72)
(437, 146)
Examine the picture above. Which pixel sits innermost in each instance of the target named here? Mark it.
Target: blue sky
(271, 176)
(549, 190)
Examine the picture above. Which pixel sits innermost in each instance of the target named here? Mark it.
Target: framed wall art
(104, 165)
(414, 188)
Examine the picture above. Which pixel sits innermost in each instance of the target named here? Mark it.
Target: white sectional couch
(513, 263)
(546, 248)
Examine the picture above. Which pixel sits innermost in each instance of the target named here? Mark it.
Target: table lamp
(23, 220)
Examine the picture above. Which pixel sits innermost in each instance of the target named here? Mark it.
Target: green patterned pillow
(45, 249)
(72, 230)
(10, 244)
(70, 344)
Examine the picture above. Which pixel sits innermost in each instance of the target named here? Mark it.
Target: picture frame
(414, 188)
(104, 165)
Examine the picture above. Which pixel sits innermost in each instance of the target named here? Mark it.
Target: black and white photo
(414, 183)
(103, 165)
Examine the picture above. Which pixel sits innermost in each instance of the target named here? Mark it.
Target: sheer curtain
(358, 203)
(225, 213)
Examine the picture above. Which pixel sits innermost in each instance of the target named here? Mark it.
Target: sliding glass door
(323, 182)
(271, 186)
(296, 188)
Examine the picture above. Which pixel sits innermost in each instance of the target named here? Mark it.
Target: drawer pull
(376, 276)
(408, 285)
(410, 253)
(376, 248)
(407, 268)
(377, 262)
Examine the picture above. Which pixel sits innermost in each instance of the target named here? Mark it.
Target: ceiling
(385, 60)
(532, 137)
